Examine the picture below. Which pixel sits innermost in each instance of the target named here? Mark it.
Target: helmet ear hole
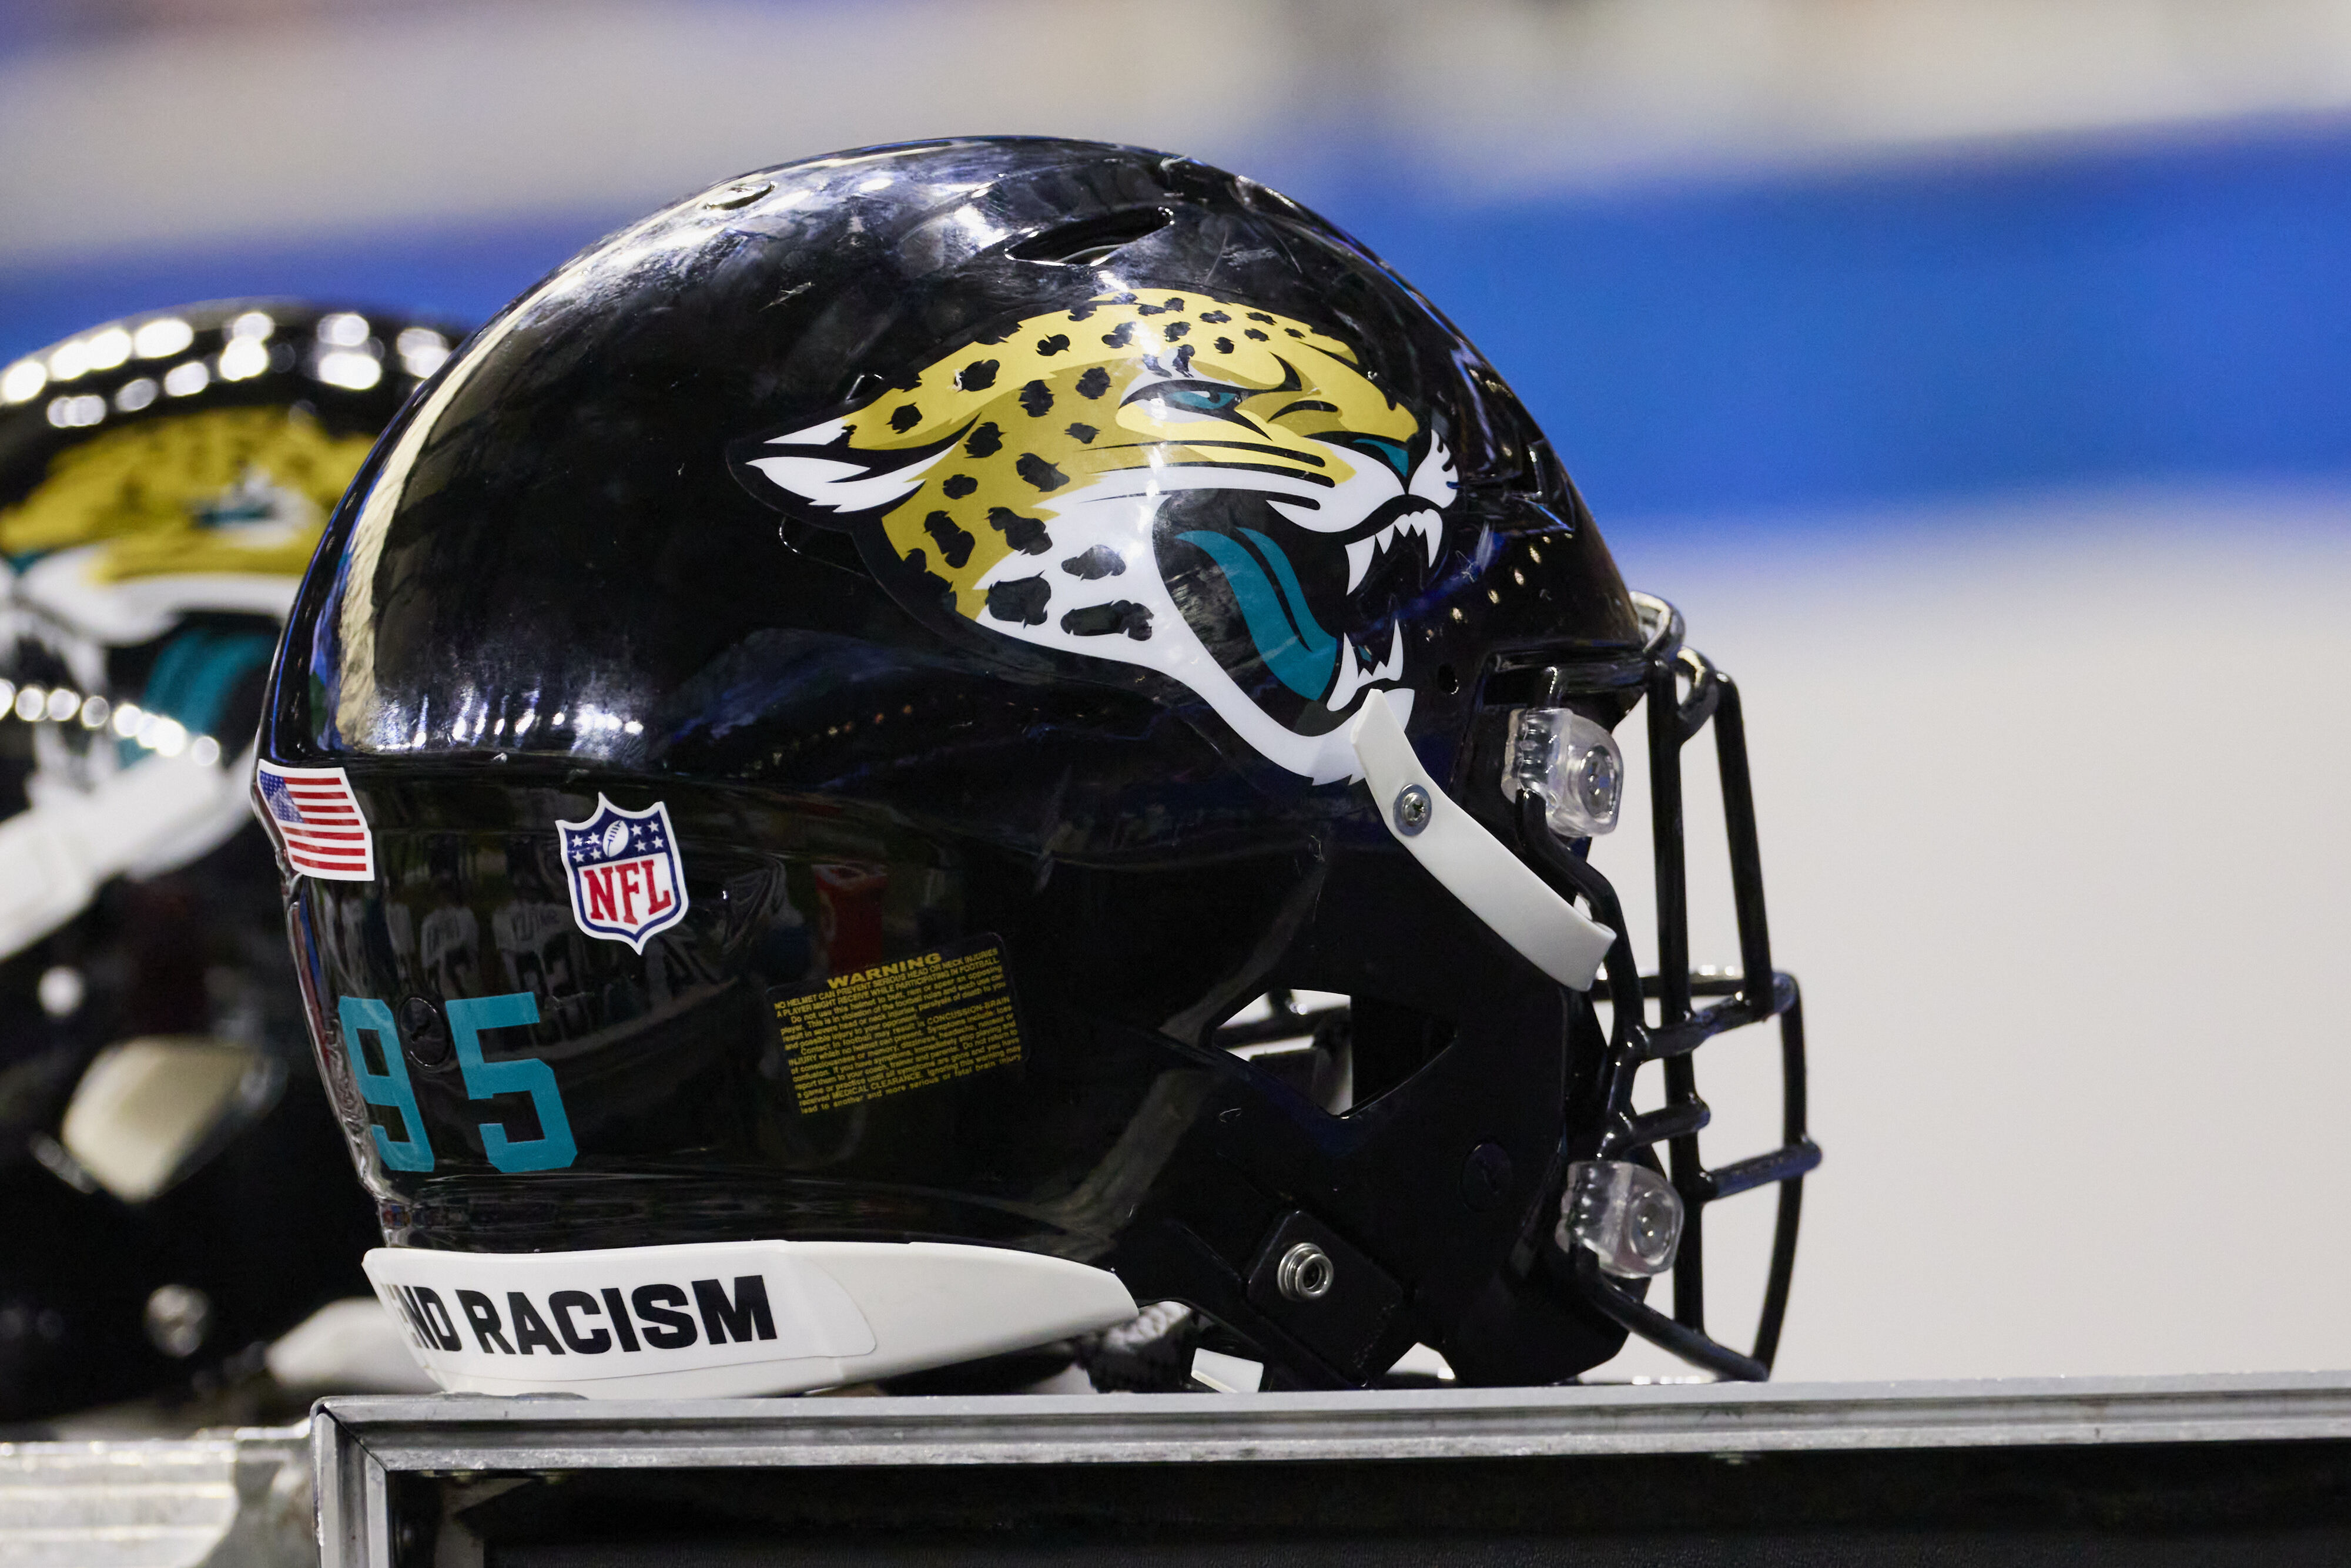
(1390, 1044)
(1299, 1038)
(1338, 1051)
(1094, 241)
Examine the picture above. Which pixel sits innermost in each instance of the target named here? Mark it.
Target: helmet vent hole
(1094, 241)
(1292, 1036)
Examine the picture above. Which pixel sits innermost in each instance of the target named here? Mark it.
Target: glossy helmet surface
(852, 686)
(173, 1182)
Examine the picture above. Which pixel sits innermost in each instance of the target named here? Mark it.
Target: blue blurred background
(1786, 295)
(1976, 372)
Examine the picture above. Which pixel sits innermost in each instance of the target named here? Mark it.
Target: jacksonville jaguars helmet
(170, 1170)
(932, 746)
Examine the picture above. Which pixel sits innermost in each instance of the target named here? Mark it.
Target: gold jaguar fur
(1049, 413)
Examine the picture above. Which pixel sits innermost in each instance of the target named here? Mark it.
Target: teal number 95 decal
(469, 1017)
(553, 1148)
(390, 1087)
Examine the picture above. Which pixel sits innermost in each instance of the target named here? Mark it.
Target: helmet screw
(1305, 1273)
(1486, 1177)
(427, 1037)
(1411, 808)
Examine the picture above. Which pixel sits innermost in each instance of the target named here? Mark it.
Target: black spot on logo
(1098, 562)
(959, 485)
(1093, 383)
(992, 338)
(1038, 472)
(1036, 399)
(1183, 360)
(1177, 329)
(1121, 336)
(918, 564)
(978, 376)
(1253, 333)
(1122, 299)
(1151, 310)
(1053, 345)
(1082, 432)
(955, 543)
(906, 419)
(1294, 331)
(1083, 312)
(1021, 533)
(1101, 620)
(1214, 318)
(1022, 602)
(1261, 316)
(1175, 302)
(1223, 345)
(986, 442)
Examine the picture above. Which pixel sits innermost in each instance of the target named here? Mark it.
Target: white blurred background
(1976, 374)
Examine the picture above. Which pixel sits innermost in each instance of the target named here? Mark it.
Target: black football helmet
(170, 1174)
(932, 744)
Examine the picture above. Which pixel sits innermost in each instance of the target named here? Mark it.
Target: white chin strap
(157, 813)
(1476, 867)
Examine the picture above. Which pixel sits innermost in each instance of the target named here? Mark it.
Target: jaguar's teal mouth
(1300, 654)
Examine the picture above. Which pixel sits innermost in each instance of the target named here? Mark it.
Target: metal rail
(367, 1451)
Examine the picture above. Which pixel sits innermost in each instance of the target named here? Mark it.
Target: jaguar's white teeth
(1362, 552)
(1421, 526)
(1354, 675)
(1350, 679)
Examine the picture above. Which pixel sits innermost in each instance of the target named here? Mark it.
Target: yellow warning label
(901, 1026)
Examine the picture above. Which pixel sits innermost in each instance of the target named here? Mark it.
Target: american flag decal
(316, 820)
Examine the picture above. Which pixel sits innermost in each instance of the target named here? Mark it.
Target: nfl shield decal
(627, 882)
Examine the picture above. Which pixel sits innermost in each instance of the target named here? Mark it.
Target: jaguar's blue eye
(1200, 400)
(1208, 400)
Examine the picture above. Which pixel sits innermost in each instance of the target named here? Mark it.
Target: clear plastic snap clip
(1570, 764)
(1626, 1215)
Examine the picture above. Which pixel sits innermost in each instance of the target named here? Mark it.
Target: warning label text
(899, 1025)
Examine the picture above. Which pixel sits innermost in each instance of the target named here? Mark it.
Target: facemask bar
(1731, 1002)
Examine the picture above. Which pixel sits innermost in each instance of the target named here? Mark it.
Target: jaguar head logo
(1204, 490)
(243, 490)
